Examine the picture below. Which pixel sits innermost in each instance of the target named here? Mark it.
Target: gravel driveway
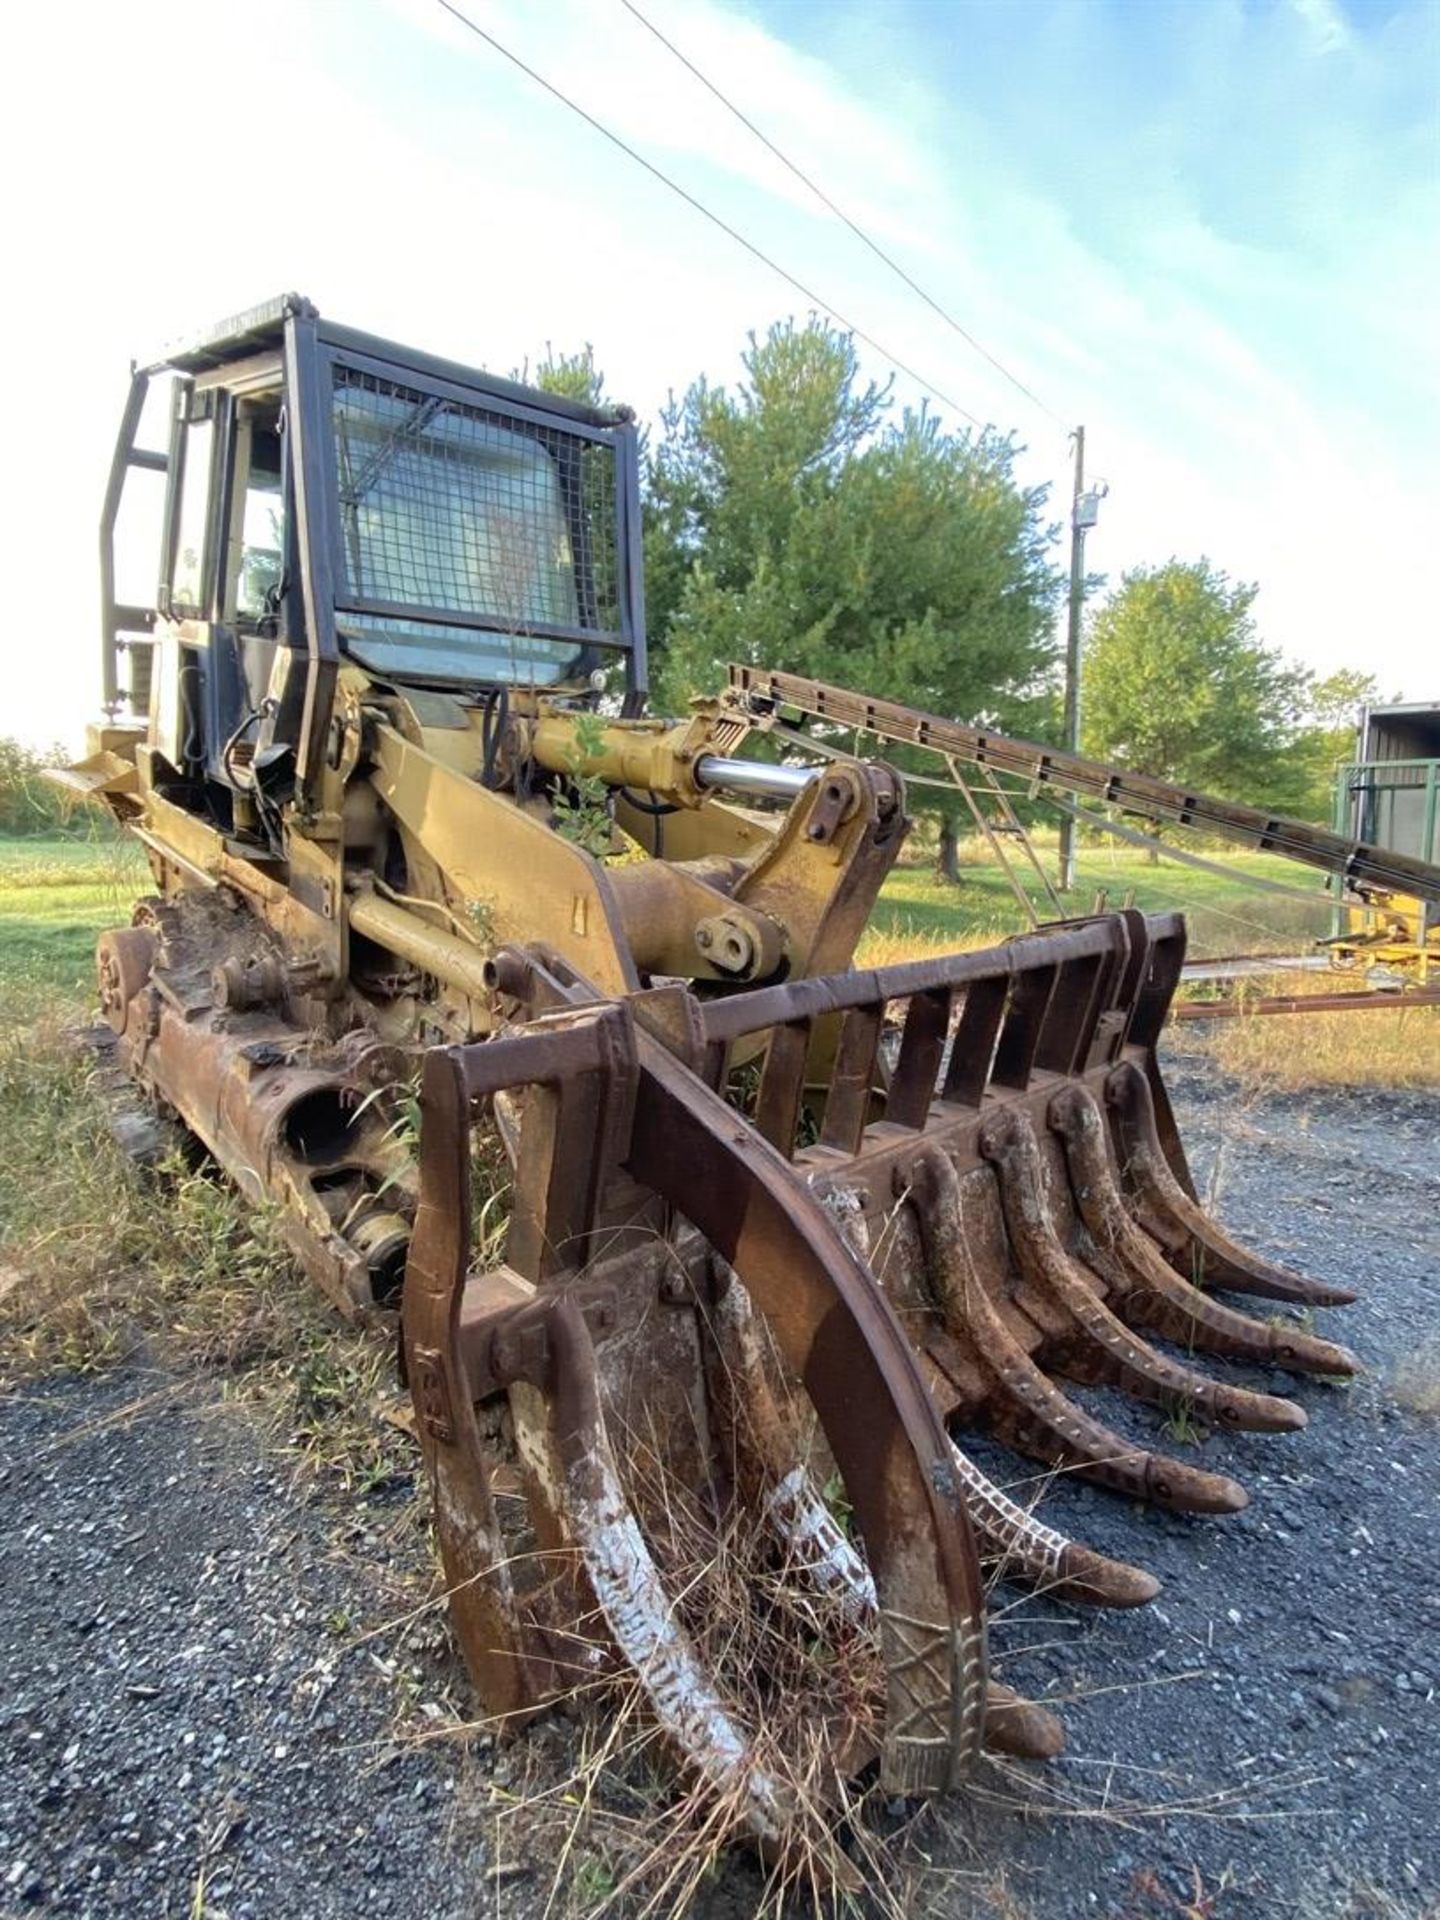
(192, 1721)
(1286, 1682)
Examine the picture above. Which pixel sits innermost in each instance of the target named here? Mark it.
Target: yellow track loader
(781, 1231)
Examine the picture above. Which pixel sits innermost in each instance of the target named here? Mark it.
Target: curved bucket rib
(610, 1114)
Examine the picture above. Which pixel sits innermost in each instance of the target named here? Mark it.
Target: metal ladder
(996, 819)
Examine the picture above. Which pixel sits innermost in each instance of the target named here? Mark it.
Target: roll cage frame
(284, 345)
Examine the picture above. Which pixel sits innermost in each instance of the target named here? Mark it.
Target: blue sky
(1208, 230)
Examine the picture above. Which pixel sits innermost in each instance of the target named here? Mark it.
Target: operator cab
(330, 496)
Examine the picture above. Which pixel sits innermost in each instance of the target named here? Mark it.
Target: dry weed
(888, 946)
(1415, 1382)
(105, 1261)
(804, 1684)
(1362, 1899)
(1384, 1047)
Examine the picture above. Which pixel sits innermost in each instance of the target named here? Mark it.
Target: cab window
(257, 546)
(187, 589)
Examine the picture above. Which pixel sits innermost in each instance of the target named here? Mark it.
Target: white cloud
(397, 170)
(1325, 19)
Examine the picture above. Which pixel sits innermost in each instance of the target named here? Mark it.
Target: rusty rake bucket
(960, 1179)
(1020, 1191)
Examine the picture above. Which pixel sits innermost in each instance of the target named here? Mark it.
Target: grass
(106, 1262)
(101, 1261)
(1227, 913)
(1181, 1426)
(1292, 1053)
(56, 895)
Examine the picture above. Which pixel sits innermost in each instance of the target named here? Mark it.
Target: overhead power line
(840, 214)
(926, 386)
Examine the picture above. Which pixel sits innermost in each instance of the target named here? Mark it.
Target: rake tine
(817, 1546)
(1025, 1549)
(1101, 1348)
(1020, 1728)
(562, 1437)
(1008, 1533)
(1143, 1285)
(1029, 1551)
(1192, 1241)
(1034, 1415)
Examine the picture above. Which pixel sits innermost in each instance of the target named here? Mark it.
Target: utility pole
(1084, 510)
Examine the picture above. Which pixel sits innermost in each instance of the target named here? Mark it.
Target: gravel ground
(183, 1705)
(191, 1722)
(1308, 1626)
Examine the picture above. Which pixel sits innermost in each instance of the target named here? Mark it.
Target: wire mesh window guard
(449, 508)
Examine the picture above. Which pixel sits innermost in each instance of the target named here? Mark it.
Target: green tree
(29, 803)
(1177, 684)
(1335, 704)
(1329, 738)
(792, 522)
(574, 376)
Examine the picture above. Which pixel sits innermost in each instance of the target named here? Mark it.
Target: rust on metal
(757, 690)
(648, 1120)
(289, 1111)
(1241, 1007)
(961, 1187)
(988, 1169)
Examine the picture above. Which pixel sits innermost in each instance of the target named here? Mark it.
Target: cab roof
(262, 328)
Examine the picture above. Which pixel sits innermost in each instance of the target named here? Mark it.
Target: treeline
(1177, 683)
(799, 519)
(29, 803)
